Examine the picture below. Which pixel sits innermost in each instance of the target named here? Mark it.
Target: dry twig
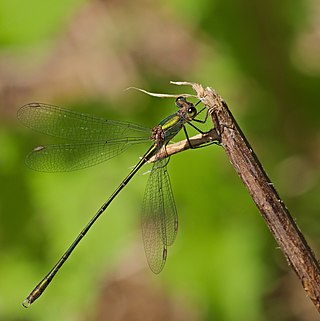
(276, 215)
(196, 141)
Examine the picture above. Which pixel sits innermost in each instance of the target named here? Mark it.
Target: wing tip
(155, 267)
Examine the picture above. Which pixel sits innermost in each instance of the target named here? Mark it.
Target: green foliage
(26, 22)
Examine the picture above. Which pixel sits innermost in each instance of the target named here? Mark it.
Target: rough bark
(277, 217)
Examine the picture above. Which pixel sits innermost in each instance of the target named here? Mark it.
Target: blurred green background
(262, 57)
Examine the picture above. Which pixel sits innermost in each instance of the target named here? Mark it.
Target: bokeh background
(261, 56)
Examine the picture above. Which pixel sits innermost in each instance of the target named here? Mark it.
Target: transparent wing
(67, 124)
(159, 216)
(69, 157)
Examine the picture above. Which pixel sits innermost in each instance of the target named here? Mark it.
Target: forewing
(159, 217)
(67, 124)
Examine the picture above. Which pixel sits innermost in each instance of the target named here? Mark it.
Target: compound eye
(192, 112)
(180, 101)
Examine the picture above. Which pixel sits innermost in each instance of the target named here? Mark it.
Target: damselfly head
(181, 102)
(188, 107)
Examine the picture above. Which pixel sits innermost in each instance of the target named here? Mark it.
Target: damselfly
(94, 140)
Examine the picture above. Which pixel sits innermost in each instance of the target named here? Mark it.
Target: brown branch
(196, 141)
(276, 215)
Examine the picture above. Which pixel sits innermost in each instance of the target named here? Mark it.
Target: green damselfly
(94, 140)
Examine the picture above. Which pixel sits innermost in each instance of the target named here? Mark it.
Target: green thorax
(171, 126)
